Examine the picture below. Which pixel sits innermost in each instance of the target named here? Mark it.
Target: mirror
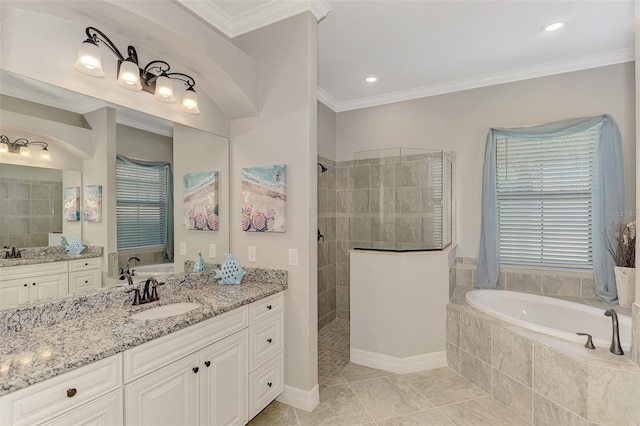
(41, 110)
(32, 211)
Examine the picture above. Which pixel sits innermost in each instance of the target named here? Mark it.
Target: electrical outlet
(212, 251)
(183, 249)
(251, 255)
(293, 257)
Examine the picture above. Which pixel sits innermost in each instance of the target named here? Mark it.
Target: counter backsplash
(43, 313)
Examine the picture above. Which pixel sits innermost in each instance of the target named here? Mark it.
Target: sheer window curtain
(608, 202)
(168, 248)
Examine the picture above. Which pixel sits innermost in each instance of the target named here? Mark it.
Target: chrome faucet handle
(136, 296)
(589, 344)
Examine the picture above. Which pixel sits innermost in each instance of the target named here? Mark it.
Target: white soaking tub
(555, 317)
(156, 270)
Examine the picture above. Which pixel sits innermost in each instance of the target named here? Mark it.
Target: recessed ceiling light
(371, 79)
(554, 27)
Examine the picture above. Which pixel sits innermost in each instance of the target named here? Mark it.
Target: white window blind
(141, 194)
(544, 190)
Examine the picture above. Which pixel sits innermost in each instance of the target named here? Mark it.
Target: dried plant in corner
(623, 249)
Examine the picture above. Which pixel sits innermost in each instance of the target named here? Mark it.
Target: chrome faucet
(127, 273)
(615, 339)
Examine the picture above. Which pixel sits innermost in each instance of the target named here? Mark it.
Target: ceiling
(421, 48)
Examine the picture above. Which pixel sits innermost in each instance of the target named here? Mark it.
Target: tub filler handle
(589, 344)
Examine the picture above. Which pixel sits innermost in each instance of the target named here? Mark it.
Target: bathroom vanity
(219, 364)
(52, 275)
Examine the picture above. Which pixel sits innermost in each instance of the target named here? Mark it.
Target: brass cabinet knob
(72, 392)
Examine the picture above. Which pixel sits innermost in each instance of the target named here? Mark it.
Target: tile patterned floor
(351, 394)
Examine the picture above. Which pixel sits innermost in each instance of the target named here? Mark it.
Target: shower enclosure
(402, 199)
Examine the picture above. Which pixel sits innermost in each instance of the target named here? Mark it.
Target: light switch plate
(251, 255)
(293, 257)
(183, 249)
(212, 251)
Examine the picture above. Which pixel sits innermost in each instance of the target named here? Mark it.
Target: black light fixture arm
(15, 146)
(93, 37)
(161, 67)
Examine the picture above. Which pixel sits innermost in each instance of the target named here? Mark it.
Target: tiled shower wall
(327, 246)
(351, 195)
(29, 210)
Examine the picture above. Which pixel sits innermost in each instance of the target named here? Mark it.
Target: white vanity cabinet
(220, 372)
(26, 283)
(88, 395)
(84, 275)
(266, 343)
(201, 370)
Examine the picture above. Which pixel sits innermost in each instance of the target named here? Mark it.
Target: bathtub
(555, 317)
(157, 270)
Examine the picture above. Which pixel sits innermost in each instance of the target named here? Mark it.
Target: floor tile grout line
(361, 403)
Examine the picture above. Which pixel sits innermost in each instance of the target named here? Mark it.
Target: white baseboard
(411, 364)
(298, 398)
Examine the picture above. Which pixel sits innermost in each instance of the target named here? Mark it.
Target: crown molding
(519, 74)
(258, 17)
(78, 105)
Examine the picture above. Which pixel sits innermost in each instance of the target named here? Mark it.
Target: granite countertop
(35, 349)
(33, 256)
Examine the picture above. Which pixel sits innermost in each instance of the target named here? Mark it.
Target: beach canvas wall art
(71, 204)
(200, 201)
(93, 203)
(264, 195)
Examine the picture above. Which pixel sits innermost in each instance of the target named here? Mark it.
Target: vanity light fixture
(154, 78)
(21, 146)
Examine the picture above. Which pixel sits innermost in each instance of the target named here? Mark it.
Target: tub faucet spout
(615, 347)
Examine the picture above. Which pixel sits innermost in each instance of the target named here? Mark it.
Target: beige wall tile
(589, 288)
(513, 355)
(475, 336)
(547, 413)
(528, 283)
(614, 396)
(476, 370)
(453, 357)
(559, 285)
(463, 277)
(453, 326)
(513, 395)
(560, 378)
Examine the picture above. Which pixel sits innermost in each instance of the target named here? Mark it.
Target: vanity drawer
(39, 402)
(265, 340)
(159, 352)
(265, 384)
(265, 307)
(83, 281)
(29, 271)
(84, 264)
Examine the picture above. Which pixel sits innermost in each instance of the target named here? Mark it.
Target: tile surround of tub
(146, 256)
(549, 282)
(545, 385)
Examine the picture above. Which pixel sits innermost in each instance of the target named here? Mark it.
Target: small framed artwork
(71, 204)
(200, 201)
(93, 203)
(264, 196)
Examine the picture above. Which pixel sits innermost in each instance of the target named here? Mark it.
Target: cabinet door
(168, 396)
(48, 286)
(104, 411)
(223, 386)
(13, 292)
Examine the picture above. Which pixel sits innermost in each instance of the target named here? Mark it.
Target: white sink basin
(166, 311)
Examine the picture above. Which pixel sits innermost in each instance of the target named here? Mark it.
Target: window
(141, 193)
(545, 204)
